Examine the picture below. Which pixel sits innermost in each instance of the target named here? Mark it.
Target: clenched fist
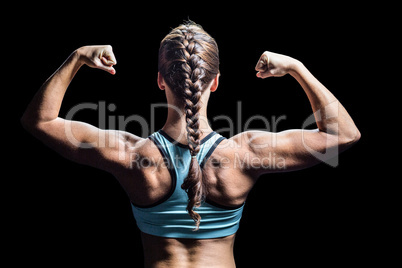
(100, 57)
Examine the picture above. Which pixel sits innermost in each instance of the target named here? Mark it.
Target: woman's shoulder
(230, 149)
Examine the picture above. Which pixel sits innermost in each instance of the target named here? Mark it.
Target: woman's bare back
(160, 252)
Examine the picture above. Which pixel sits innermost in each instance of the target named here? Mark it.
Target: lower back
(160, 252)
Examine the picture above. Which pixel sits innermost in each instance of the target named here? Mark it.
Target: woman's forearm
(45, 105)
(331, 117)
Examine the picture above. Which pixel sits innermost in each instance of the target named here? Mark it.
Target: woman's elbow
(358, 135)
(350, 138)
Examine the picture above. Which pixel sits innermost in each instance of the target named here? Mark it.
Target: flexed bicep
(297, 149)
(78, 141)
(289, 150)
(87, 144)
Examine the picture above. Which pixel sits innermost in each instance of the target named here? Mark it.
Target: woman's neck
(176, 123)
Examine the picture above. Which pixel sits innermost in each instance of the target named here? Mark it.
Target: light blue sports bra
(168, 217)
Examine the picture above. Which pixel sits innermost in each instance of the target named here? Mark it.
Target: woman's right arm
(300, 148)
(75, 140)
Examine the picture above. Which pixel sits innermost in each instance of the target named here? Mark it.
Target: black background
(65, 213)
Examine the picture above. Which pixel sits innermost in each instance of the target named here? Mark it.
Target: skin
(232, 170)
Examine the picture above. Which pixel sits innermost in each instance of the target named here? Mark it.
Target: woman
(187, 183)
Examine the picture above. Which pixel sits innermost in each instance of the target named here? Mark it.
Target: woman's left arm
(75, 140)
(299, 148)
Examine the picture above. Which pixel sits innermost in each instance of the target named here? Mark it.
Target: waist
(178, 252)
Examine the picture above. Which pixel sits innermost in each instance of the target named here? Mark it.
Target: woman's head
(188, 62)
(188, 59)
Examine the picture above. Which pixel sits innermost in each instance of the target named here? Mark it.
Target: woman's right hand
(100, 57)
(273, 64)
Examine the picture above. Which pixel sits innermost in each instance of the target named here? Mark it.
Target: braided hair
(188, 62)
